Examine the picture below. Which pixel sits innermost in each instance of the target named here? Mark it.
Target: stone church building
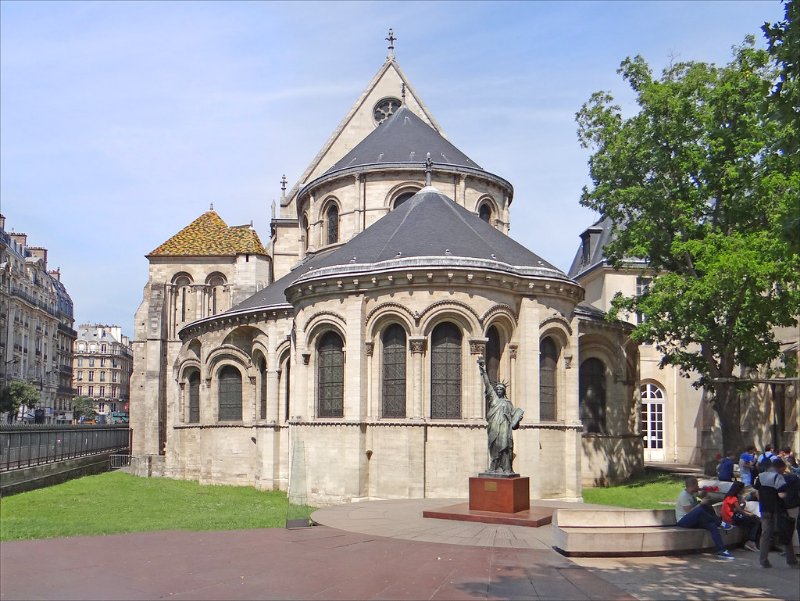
(337, 359)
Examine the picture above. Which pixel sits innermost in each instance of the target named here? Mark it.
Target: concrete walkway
(368, 550)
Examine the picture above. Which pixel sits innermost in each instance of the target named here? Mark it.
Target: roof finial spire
(283, 187)
(428, 169)
(391, 39)
(211, 208)
(403, 92)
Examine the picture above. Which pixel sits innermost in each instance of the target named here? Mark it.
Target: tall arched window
(548, 387)
(330, 375)
(216, 287)
(592, 394)
(332, 223)
(286, 373)
(182, 288)
(652, 416)
(306, 232)
(485, 213)
(446, 372)
(262, 368)
(230, 394)
(493, 353)
(194, 397)
(394, 372)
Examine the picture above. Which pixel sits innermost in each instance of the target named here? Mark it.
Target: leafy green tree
(783, 176)
(83, 407)
(18, 393)
(684, 181)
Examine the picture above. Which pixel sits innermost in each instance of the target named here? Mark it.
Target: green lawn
(116, 502)
(644, 491)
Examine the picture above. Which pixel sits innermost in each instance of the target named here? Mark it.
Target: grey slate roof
(403, 138)
(429, 226)
(599, 235)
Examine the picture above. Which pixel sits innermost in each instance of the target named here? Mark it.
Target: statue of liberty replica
(502, 419)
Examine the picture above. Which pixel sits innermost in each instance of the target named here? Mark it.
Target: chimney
(55, 273)
(2, 222)
(20, 239)
(39, 253)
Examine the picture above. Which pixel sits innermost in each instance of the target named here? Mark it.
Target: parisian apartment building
(102, 367)
(36, 328)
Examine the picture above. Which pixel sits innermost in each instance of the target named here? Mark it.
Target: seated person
(734, 512)
(692, 512)
(725, 467)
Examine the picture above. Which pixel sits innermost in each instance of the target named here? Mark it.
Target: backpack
(792, 498)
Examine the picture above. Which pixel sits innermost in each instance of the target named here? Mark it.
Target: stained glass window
(548, 387)
(194, 397)
(230, 394)
(394, 372)
(592, 394)
(446, 372)
(330, 375)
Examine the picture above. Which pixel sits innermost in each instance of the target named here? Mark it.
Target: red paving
(311, 563)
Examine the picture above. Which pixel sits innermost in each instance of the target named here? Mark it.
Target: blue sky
(121, 122)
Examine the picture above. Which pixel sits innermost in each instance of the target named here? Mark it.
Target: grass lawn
(116, 502)
(644, 491)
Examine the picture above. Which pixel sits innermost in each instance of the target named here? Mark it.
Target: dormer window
(586, 248)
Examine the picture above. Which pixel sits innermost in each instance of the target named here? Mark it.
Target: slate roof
(403, 138)
(600, 234)
(209, 235)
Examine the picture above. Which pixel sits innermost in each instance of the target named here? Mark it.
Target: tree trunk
(726, 404)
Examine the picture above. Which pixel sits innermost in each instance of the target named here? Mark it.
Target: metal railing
(27, 445)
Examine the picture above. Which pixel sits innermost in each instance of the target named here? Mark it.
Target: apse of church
(339, 360)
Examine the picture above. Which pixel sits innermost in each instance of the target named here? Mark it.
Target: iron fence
(27, 445)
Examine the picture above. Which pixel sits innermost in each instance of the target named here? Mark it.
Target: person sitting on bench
(693, 510)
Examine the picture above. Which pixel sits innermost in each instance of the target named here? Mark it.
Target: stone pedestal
(501, 495)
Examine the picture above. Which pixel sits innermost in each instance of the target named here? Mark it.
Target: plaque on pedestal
(502, 495)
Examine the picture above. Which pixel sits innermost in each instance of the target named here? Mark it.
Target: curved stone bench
(620, 532)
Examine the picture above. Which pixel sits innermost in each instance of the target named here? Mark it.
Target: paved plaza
(369, 550)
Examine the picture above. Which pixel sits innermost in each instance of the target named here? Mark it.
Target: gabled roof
(209, 235)
(403, 138)
(390, 65)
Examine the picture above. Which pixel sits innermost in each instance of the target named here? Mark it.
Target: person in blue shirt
(725, 467)
(746, 462)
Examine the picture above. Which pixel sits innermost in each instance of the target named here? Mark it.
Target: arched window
(332, 223)
(215, 285)
(330, 375)
(403, 197)
(262, 368)
(652, 416)
(230, 394)
(592, 394)
(194, 397)
(182, 284)
(286, 374)
(394, 372)
(485, 213)
(306, 232)
(446, 372)
(493, 353)
(548, 387)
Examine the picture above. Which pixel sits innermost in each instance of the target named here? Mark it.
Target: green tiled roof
(209, 235)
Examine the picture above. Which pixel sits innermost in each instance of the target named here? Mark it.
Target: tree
(16, 394)
(83, 407)
(685, 182)
(783, 41)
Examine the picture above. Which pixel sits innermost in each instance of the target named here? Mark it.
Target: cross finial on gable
(283, 186)
(211, 208)
(403, 92)
(391, 39)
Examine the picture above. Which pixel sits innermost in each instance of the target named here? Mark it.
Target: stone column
(372, 394)
(418, 346)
